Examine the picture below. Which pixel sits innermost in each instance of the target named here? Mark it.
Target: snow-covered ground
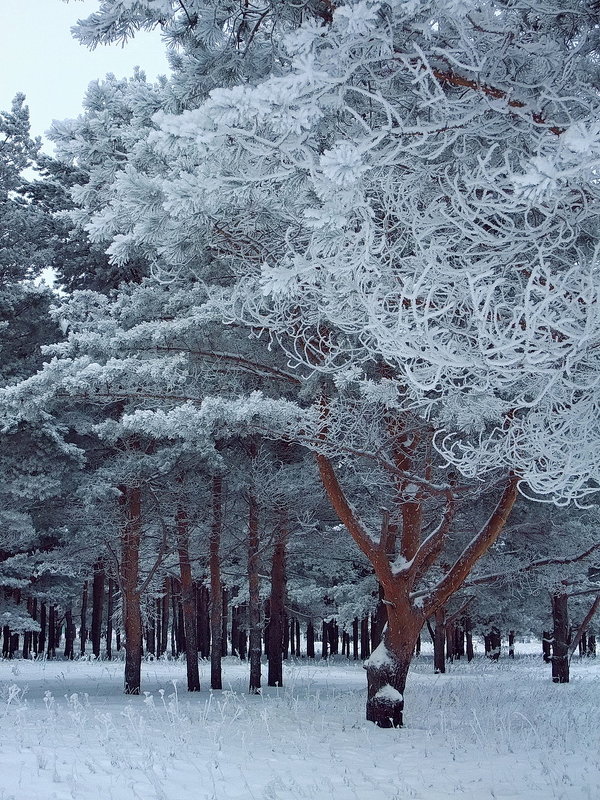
(484, 730)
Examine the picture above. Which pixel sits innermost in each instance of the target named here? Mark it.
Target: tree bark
(110, 610)
(130, 558)
(69, 634)
(216, 589)
(277, 606)
(439, 641)
(97, 606)
(83, 633)
(560, 645)
(188, 601)
(310, 639)
(254, 620)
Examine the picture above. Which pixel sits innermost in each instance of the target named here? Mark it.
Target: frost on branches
(419, 189)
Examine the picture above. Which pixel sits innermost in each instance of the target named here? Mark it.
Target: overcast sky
(39, 57)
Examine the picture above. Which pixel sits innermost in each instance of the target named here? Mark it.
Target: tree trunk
(277, 606)
(439, 640)
(254, 592)
(188, 602)
(164, 616)
(469, 639)
(495, 644)
(511, 644)
(97, 606)
(365, 649)
(132, 616)
(110, 610)
(310, 639)
(387, 667)
(546, 646)
(51, 652)
(203, 622)
(216, 589)
(83, 627)
(560, 645)
(43, 628)
(70, 634)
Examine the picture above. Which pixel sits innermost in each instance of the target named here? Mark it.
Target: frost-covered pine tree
(408, 207)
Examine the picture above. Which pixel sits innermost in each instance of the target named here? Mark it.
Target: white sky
(39, 57)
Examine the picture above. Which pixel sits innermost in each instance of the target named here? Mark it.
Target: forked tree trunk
(277, 607)
(387, 667)
(254, 593)
(97, 606)
(188, 602)
(216, 589)
(132, 615)
(560, 644)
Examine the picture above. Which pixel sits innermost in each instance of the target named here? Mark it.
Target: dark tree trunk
(511, 644)
(216, 589)
(459, 640)
(132, 615)
(324, 639)
(224, 620)
(6, 641)
(43, 628)
(378, 620)
(560, 645)
(277, 607)
(310, 639)
(70, 634)
(35, 637)
(450, 635)
(297, 621)
(355, 638)
(175, 636)
(151, 629)
(110, 610)
(254, 620)
(83, 627)
(235, 631)
(547, 646)
(203, 623)
(51, 652)
(97, 607)
(164, 616)
(286, 637)
(365, 649)
(439, 640)
(469, 639)
(188, 602)
(14, 644)
(418, 646)
(591, 648)
(494, 644)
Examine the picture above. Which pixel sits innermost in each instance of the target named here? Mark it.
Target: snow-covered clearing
(481, 731)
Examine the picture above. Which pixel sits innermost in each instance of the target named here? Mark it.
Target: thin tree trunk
(310, 639)
(560, 645)
(277, 606)
(110, 610)
(216, 588)
(132, 615)
(469, 639)
(97, 606)
(70, 634)
(51, 652)
(43, 627)
(439, 640)
(511, 644)
(83, 627)
(164, 617)
(254, 590)
(188, 601)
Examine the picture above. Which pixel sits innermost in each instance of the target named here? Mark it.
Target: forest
(317, 377)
